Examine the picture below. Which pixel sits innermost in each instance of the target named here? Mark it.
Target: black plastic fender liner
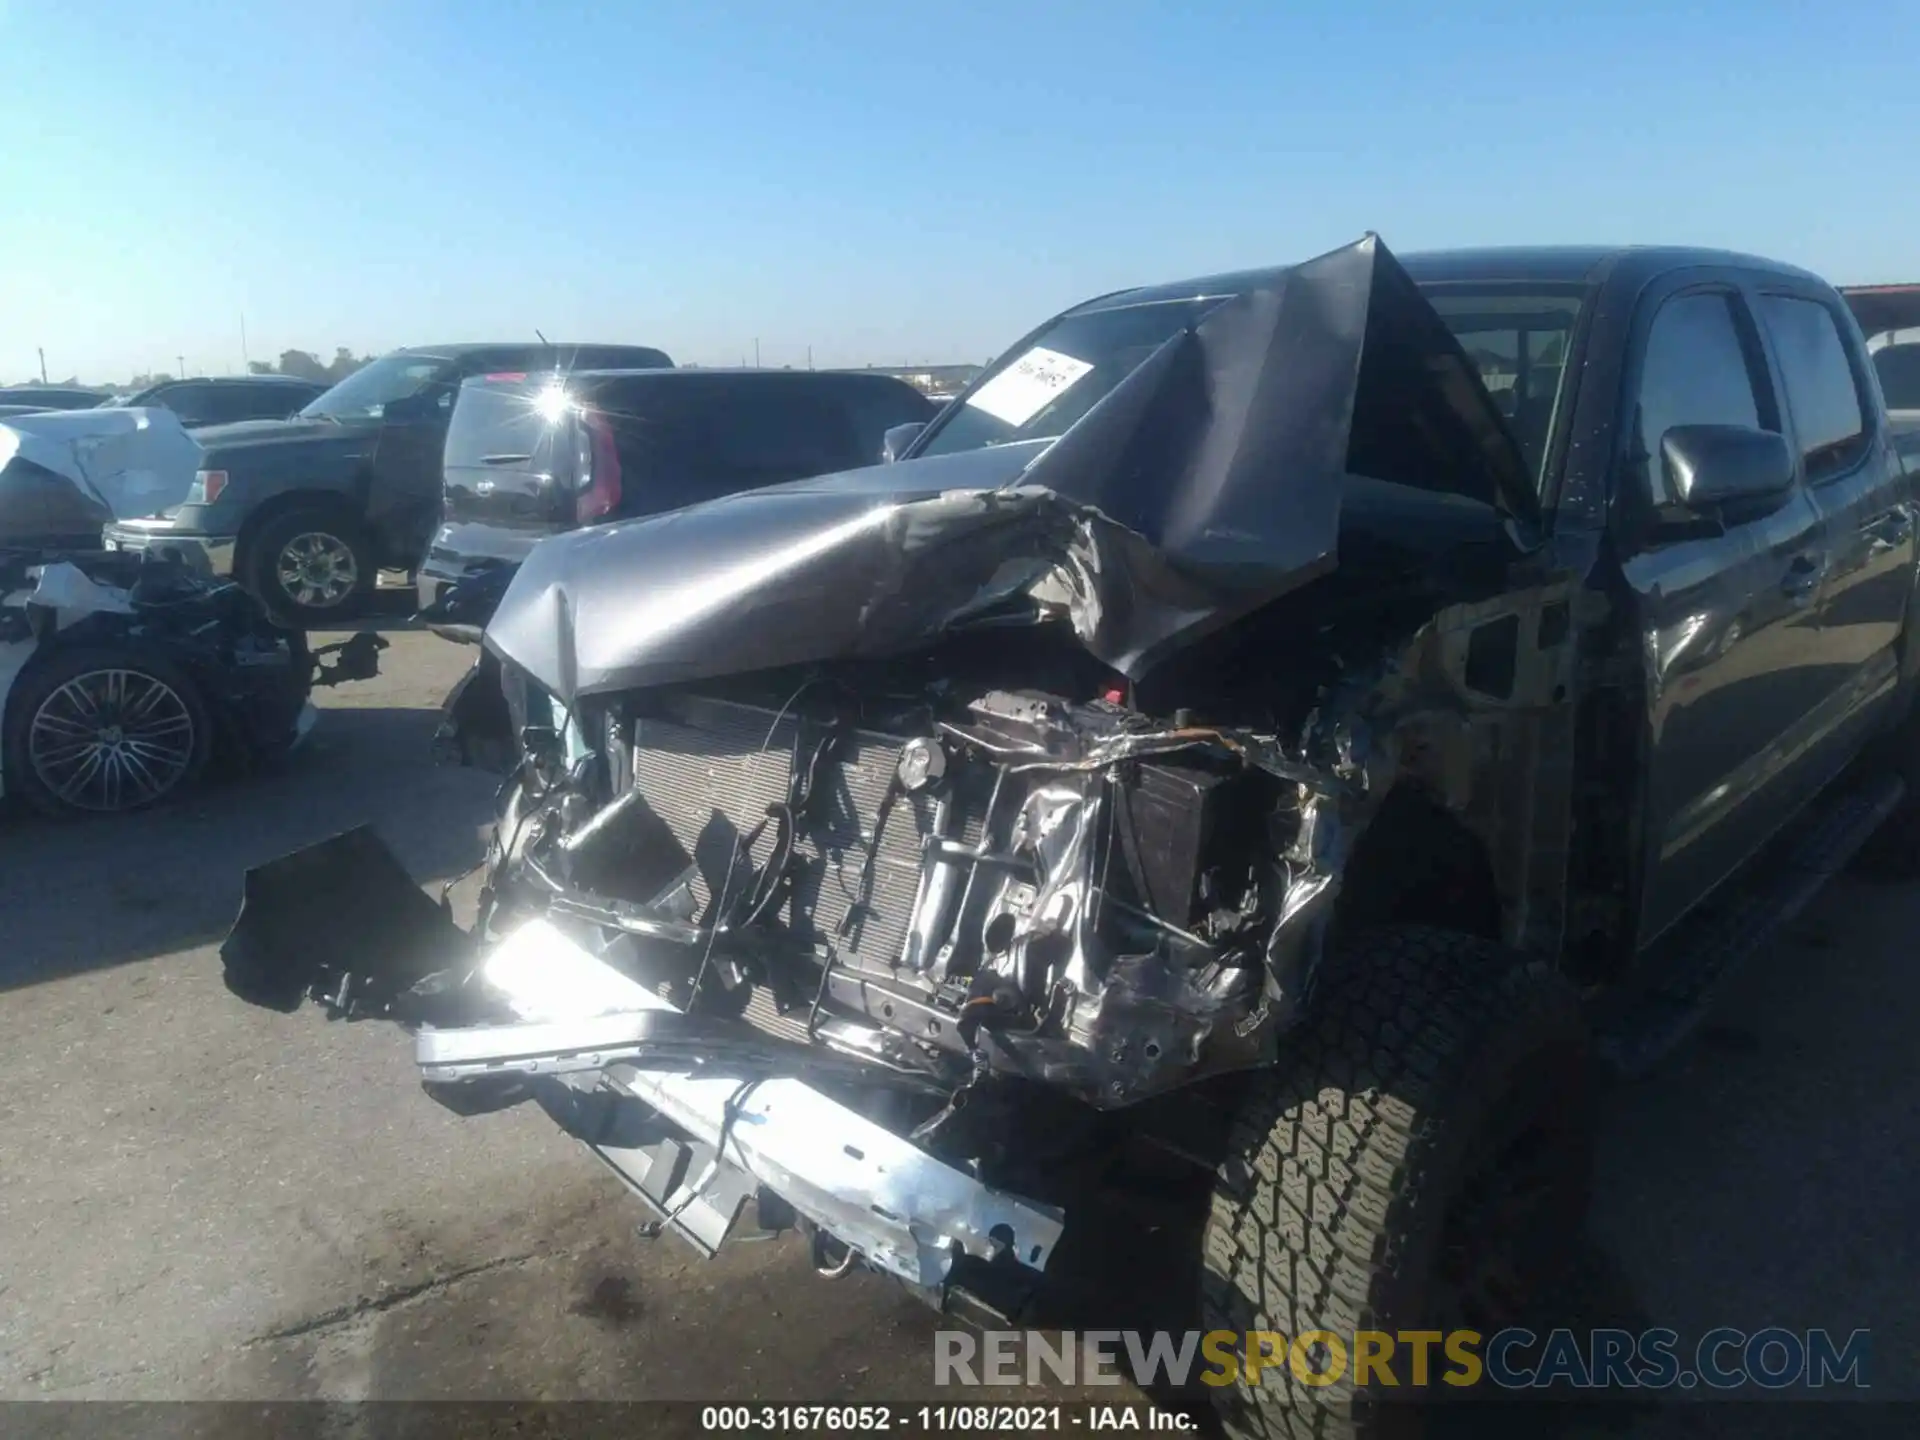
(476, 724)
(342, 917)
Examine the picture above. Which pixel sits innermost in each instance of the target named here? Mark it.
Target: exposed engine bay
(945, 880)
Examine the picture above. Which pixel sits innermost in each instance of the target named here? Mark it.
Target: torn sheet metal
(133, 461)
(895, 1204)
(72, 594)
(1204, 484)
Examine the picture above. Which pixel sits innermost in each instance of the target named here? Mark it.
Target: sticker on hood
(1026, 387)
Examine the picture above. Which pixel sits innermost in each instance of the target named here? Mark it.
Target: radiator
(711, 768)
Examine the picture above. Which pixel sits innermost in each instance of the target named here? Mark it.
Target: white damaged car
(124, 676)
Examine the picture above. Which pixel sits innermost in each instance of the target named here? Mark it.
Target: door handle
(1889, 531)
(1803, 577)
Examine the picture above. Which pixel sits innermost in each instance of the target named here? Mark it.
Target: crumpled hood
(229, 444)
(770, 577)
(1205, 484)
(134, 460)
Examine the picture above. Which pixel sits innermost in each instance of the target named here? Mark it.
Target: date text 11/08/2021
(933, 1419)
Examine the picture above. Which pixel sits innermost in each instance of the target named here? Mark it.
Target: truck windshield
(366, 393)
(1517, 338)
(1042, 388)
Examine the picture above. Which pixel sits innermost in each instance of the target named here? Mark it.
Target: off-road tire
(259, 566)
(1329, 1211)
(42, 680)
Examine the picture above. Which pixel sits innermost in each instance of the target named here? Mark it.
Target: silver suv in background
(530, 456)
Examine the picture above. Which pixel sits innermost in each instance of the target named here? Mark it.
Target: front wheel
(1422, 1164)
(104, 729)
(312, 567)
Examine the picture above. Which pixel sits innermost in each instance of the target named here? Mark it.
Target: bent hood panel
(135, 461)
(778, 576)
(1205, 484)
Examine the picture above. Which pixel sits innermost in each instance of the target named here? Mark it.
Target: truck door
(1849, 469)
(1727, 607)
(403, 502)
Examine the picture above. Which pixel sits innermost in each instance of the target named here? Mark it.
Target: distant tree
(260, 367)
(344, 363)
(303, 365)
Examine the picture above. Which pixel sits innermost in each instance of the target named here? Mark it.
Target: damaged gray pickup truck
(1281, 730)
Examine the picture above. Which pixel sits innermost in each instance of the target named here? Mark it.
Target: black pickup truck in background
(1149, 804)
(305, 512)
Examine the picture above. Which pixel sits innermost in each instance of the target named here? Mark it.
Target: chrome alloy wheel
(111, 740)
(317, 570)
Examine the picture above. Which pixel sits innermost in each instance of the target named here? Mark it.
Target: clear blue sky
(889, 181)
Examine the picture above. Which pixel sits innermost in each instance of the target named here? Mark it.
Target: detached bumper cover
(341, 921)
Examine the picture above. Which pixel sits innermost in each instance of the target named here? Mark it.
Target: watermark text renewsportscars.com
(1770, 1358)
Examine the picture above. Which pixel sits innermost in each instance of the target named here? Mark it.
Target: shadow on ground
(85, 894)
(389, 610)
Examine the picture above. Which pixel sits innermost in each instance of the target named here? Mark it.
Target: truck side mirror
(898, 438)
(1711, 465)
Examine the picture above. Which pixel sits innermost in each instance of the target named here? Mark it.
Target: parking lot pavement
(202, 1199)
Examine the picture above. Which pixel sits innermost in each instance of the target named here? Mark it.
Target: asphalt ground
(200, 1200)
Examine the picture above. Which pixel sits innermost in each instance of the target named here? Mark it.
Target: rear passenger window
(687, 438)
(1822, 395)
(222, 404)
(192, 403)
(776, 435)
(263, 402)
(1697, 371)
(248, 402)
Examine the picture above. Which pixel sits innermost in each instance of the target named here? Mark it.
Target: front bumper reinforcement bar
(905, 1211)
